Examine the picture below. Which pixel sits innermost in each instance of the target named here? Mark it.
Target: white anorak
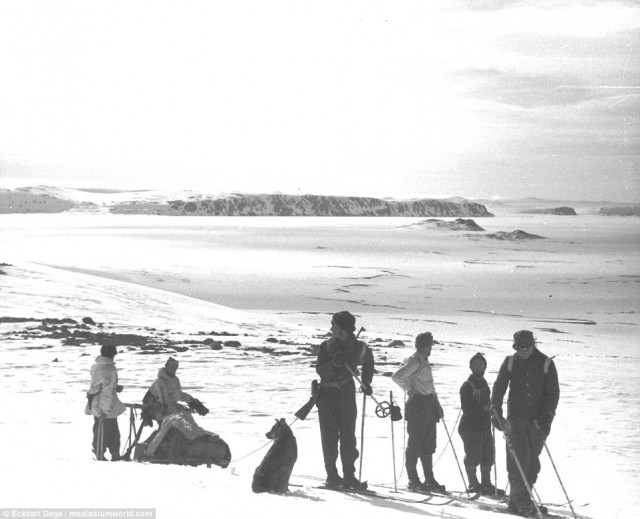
(168, 392)
(104, 383)
(414, 376)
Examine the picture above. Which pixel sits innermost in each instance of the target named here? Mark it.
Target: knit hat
(424, 339)
(344, 320)
(523, 338)
(478, 356)
(109, 351)
(171, 361)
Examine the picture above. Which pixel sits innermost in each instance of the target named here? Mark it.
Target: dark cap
(344, 320)
(523, 338)
(171, 361)
(109, 351)
(424, 339)
(479, 356)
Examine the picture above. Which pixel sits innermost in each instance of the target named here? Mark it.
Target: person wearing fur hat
(337, 409)
(422, 412)
(167, 390)
(534, 392)
(104, 405)
(475, 426)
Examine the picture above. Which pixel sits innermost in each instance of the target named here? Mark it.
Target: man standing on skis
(475, 426)
(422, 412)
(338, 359)
(531, 406)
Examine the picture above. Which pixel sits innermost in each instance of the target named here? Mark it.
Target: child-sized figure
(475, 426)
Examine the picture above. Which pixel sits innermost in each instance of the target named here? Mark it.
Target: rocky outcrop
(513, 236)
(307, 205)
(560, 211)
(21, 202)
(459, 224)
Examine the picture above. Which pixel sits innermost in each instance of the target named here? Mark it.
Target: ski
(453, 495)
(497, 509)
(372, 493)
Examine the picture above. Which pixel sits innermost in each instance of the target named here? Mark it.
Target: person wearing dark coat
(337, 409)
(475, 426)
(534, 392)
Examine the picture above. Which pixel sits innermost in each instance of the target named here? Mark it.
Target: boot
(486, 487)
(333, 479)
(474, 484)
(350, 481)
(430, 483)
(412, 473)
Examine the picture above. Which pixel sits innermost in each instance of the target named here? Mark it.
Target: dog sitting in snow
(272, 475)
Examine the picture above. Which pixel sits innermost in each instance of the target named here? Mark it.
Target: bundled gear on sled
(178, 439)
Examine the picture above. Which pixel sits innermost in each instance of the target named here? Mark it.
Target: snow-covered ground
(168, 277)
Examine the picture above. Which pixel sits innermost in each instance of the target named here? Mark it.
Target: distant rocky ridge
(306, 205)
(633, 210)
(560, 211)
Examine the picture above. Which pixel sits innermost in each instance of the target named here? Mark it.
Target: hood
(104, 360)
(162, 373)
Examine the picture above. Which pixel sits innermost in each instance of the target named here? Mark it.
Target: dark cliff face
(313, 205)
(560, 211)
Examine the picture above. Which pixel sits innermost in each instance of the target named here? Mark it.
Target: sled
(181, 441)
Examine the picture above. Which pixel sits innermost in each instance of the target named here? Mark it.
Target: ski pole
(495, 465)
(364, 405)
(382, 409)
(393, 447)
(100, 442)
(560, 480)
(466, 489)
(522, 474)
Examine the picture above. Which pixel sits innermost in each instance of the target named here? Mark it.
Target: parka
(102, 391)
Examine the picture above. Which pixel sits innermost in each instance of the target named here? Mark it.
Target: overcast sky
(404, 99)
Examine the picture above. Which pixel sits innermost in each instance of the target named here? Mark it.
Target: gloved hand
(198, 407)
(439, 412)
(338, 359)
(544, 424)
(119, 388)
(497, 420)
(367, 389)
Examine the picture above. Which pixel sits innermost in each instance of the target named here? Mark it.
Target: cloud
(500, 5)
(529, 91)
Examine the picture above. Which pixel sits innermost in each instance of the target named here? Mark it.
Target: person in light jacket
(167, 390)
(104, 405)
(422, 411)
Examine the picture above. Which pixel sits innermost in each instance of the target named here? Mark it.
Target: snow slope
(594, 440)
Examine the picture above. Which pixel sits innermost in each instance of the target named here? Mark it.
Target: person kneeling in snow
(103, 403)
(162, 403)
(475, 426)
(166, 392)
